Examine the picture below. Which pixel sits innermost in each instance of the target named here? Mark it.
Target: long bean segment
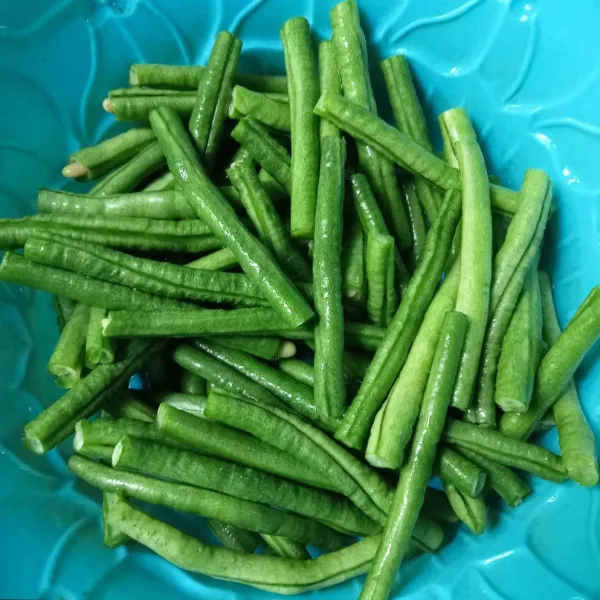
(330, 389)
(139, 107)
(55, 423)
(473, 296)
(206, 503)
(393, 350)
(303, 90)
(268, 348)
(213, 95)
(416, 219)
(131, 233)
(382, 301)
(557, 367)
(19, 269)
(410, 493)
(393, 425)
(94, 161)
(269, 112)
(329, 81)
(214, 210)
(354, 282)
(507, 451)
(576, 438)
(220, 260)
(154, 277)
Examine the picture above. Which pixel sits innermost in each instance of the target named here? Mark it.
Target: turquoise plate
(529, 75)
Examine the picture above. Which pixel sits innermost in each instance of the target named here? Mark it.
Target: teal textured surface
(529, 75)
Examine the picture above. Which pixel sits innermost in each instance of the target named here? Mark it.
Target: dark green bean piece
(507, 451)
(138, 108)
(303, 90)
(329, 81)
(213, 95)
(265, 150)
(266, 220)
(220, 260)
(268, 348)
(410, 120)
(462, 473)
(55, 423)
(141, 91)
(285, 547)
(415, 474)
(471, 511)
(294, 394)
(330, 389)
(68, 358)
(94, 161)
(473, 296)
(509, 486)
(98, 349)
(416, 220)
(124, 403)
(17, 269)
(393, 350)
(557, 367)
(298, 370)
(155, 277)
(184, 76)
(576, 439)
(214, 210)
(521, 350)
(354, 283)
(437, 507)
(266, 110)
(131, 233)
(233, 537)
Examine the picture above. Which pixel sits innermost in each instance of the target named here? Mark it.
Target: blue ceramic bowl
(528, 73)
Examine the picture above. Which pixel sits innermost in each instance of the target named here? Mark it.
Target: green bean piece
(471, 511)
(266, 110)
(268, 348)
(68, 359)
(509, 486)
(462, 473)
(131, 233)
(139, 107)
(249, 515)
(416, 220)
(141, 91)
(292, 393)
(271, 573)
(354, 283)
(393, 349)
(123, 403)
(329, 81)
(163, 183)
(484, 407)
(98, 349)
(94, 161)
(99, 452)
(521, 350)
(557, 368)
(473, 297)
(111, 536)
(233, 537)
(291, 434)
(17, 269)
(410, 493)
(174, 323)
(410, 120)
(285, 547)
(213, 96)
(351, 59)
(266, 220)
(330, 389)
(236, 446)
(303, 90)
(382, 301)
(363, 125)
(57, 421)
(510, 452)
(265, 150)
(298, 370)
(220, 260)
(245, 483)
(393, 425)
(214, 210)
(193, 404)
(188, 77)
(155, 277)
(576, 439)
(437, 508)
(520, 232)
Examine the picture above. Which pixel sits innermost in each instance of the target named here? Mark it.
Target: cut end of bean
(107, 105)
(75, 170)
(116, 455)
(287, 349)
(33, 443)
(78, 439)
(479, 484)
